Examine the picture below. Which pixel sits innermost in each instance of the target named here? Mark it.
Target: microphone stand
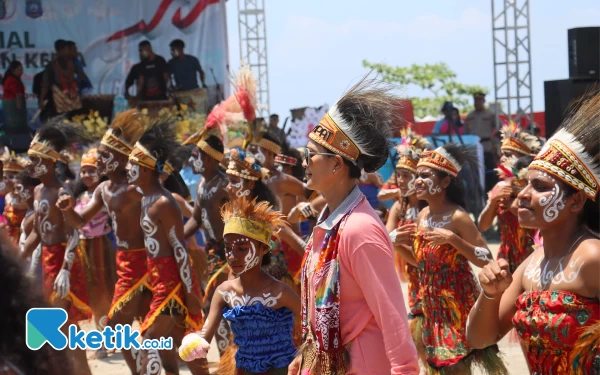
(220, 94)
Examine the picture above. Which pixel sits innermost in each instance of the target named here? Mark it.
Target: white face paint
(260, 157)
(431, 186)
(233, 300)
(411, 186)
(133, 174)
(39, 169)
(197, 165)
(23, 193)
(109, 165)
(238, 187)
(181, 258)
(251, 260)
(553, 203)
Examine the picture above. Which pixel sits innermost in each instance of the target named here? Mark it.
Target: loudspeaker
(584, 53)
(559, 96)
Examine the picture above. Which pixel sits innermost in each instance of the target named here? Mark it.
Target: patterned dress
(550, 324)
(516, 242)
(449, 290)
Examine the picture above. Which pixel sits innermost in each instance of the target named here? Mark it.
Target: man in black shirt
(152, 74)
(184, 68)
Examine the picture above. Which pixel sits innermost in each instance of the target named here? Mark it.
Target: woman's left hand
(440, 236)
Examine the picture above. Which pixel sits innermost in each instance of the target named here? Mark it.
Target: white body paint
(134, 173)
(46, 228)
(239, 193)
(260, 157)
(181, 257)
(554, 203)
(109, 164)
(430, 223)
(543, 277)
(233, 300)
(154, 365)
(206, 224)
(149, 229)
(23, 193)
(483, 254)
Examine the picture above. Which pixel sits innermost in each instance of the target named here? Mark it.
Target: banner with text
(107, 33)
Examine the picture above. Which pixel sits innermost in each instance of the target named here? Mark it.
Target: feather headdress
(256, 220)
(126, 129)
(515, 139)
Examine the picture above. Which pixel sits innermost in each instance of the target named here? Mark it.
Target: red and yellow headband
(440, 160)
(284, 159)
(408, 163)
(328, 133)
(565, 158)
(14, 164)
(142, 157)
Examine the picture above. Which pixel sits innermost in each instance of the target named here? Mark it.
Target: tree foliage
(437, 79)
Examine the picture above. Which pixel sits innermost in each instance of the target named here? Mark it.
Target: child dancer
(259, 308)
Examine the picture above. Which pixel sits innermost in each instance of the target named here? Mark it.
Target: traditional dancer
(402, 218)
(24, 189)
(15, 208)
(552, 299)
(353, 315)
(96, 248)
(288, 189)
(446, 241)
(131, 298)
(176, 301)
(515, 242)
(64, 281)
(255, 304)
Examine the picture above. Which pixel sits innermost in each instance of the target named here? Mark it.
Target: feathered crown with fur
(410, 148)
(126, 129)
(515, 139)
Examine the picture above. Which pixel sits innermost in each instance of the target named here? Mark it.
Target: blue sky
(316, 47)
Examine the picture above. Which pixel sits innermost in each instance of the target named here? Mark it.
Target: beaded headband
(565, 158)
(329, 134)
(244, 165)
(284, 159)
(440, 160)
(514, 139)
(256, 230)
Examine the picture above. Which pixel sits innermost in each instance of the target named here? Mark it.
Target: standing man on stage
(184, 68)
(153, 76)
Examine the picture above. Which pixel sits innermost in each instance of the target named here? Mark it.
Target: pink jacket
(372, 313)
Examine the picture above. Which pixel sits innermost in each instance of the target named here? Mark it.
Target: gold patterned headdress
(410, 149)
(141, 156)
(126, 129)
(269, 145)
(515, 139)
(13, 163)
(257, 221)
(440, 160)
(564, 157)
(44, 150)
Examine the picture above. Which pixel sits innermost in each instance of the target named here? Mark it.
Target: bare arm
(486, 218)
(33, 240)
(185, 207)
(293, 186)
(215, 314)
(491, 319)
(290, 300)
(393, 219)
(78, 220)
(469, 241)
(292, 239)
(192, 226)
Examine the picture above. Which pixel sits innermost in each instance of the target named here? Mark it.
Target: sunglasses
(308, 154)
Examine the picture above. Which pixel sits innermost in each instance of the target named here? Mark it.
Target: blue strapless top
(263, 336)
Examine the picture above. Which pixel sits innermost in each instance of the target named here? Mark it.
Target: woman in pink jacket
(354, 319)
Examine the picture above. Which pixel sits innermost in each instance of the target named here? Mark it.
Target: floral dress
(516, 242)
(550, 324)
(449, 290)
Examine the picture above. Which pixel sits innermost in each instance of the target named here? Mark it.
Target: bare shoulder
(589, 250)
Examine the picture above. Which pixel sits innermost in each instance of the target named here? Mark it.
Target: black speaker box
(584, 53)
(558, 96)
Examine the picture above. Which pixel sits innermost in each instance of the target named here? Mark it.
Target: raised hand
(65, 201)
(495, 277)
